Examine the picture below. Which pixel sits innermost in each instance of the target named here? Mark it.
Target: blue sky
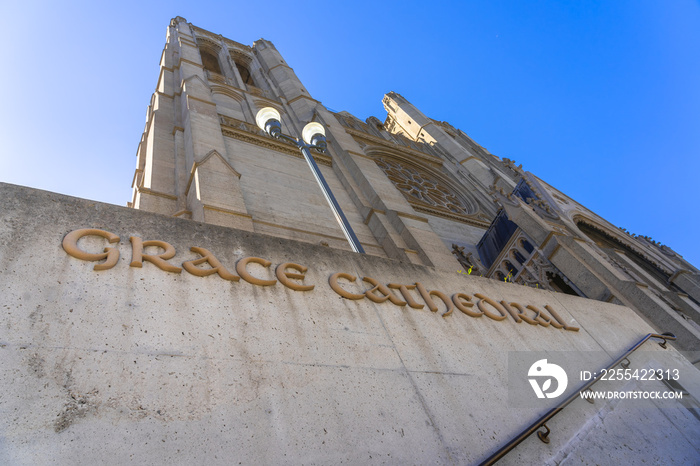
(599, 98)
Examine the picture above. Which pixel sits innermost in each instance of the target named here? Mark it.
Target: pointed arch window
(518, 257)
(245, 74)
(526, 245)
(510, 268)
(210, 62)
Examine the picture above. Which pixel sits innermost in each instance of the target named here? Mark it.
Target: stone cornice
(429, 159)
(247, 135)
(278, 65)
(226, 211)
(186, 40)
(219, 37)
(190, 62)
(204, 33)
(238, 45)
(307, 97)
(143, 190)
(197, 99)
(411, 216)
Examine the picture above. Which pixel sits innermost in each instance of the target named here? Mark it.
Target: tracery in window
(422, 186)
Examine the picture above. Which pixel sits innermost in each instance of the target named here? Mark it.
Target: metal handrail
(554, 411)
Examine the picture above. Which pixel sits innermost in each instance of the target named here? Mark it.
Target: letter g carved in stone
(70, 245)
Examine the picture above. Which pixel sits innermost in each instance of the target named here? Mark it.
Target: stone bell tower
(202, 157)
(182, 169)
(209, 89)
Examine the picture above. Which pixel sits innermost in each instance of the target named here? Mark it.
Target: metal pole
(337, 211)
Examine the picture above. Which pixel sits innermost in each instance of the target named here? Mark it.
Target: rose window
(422, 187)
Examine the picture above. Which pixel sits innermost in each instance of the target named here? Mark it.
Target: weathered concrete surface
(139, 365)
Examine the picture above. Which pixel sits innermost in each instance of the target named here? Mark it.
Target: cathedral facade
(227, 315)
(414, 189)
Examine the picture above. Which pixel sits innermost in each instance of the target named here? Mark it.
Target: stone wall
(137, 364)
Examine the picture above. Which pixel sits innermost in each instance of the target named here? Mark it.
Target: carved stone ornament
(468, 261)
(382, 135)
(240, 56)
(421, 187)
(208, 43)
(559, 229)
(543, 209)
(536, 275)
(510, 164)
(501, 197)
(560, 199)
(625, 245)
(668, 251)
(526, 278)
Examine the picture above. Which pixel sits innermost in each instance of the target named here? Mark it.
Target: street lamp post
(313, 137)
